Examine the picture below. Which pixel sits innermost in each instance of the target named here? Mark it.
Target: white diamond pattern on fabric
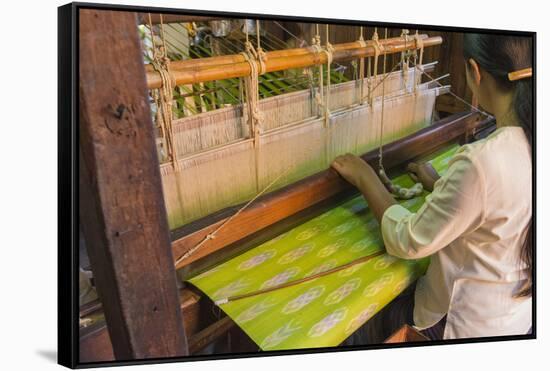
(311, 232)
(371, 243)
(333, 247)
(295, 254)
(343, 291)
(232, 288)
(276, 239)
(280, 278)
(344, 227)
(329, 264)
(360, 319)
(301, 301)
(256, 260)
(376, 286)
(281, 334)
(351, 270)
(327, 323)
(384, 262)
(255, 310)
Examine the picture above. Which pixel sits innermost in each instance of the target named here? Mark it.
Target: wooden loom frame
(119, 107)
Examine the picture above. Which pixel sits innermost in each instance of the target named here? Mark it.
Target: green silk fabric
(322, 312)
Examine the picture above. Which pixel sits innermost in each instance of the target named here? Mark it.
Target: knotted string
(405, 56)
(376, 46)
(419, 45)
(256, 60)
(396, 190)
(165, 97)
(363, 44)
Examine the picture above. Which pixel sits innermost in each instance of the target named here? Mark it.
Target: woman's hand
(423, 173)
(362, 175)
(353, 169)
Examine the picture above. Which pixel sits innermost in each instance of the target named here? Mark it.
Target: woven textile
(324, 311)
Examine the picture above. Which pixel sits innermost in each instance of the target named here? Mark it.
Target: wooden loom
(299, 196)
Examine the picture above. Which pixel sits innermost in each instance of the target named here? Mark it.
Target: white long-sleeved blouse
(473, 225)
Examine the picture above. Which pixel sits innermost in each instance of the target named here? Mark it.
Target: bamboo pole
(209, 69)
(239, 58)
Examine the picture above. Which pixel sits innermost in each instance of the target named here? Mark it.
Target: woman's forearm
(362, 175)
(377, 196)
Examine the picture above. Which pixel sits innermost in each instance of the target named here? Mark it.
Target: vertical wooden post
(122, 209)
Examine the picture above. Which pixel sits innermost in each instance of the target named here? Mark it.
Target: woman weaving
(476, 223)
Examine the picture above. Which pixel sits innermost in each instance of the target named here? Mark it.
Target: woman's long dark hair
(499, 55)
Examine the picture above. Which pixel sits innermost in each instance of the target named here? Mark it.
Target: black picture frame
(68, 190)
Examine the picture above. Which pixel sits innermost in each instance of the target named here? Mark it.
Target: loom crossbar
(210, 72)
(193, 63)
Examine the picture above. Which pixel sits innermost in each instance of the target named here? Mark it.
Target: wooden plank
(95, 343)
(291, 199)
(210, 334)
(90, 308)
(122, 210)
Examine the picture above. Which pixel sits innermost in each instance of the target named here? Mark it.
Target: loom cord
(323, 101)
(328, 51)
(164, 97)
(363, 44)
(419, 45)
(319, 94)
(252, 95)
(396, 190)
(405, 57)
(299, 281)
(377, 51)
(256, 60)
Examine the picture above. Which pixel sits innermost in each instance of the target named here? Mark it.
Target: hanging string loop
(256, 59)
(396, 190)
(164, 97)
(362, 44)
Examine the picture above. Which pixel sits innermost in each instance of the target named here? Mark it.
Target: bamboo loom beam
(239, 58)
(298, 58)
(122, 211)
(314, 189)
